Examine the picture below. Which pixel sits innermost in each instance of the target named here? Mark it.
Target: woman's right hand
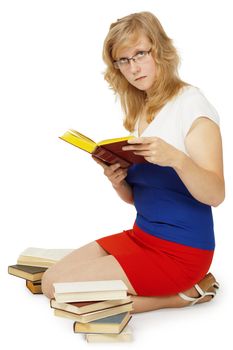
(114, 172)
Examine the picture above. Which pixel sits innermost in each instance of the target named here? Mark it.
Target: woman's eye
(141, 53)
(123, 60)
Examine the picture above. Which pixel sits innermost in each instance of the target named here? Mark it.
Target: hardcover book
(31, 273)
(110, 151)
(95, 315)
(111, 324)
(84, 307)
(125, 336)
(90, 290)
(34, 287)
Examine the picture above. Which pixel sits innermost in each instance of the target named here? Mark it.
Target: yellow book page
(79, 140)
(118, 139)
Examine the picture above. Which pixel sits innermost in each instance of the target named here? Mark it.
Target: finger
(118, 179)
(115, 166)
(122, 173)
(137, 140)
(116, 174)
(119, 171)
(143, 147)
(110, 170)
(99, 161)
(104, 165)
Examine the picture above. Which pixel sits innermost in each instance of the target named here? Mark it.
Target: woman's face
(141, 73)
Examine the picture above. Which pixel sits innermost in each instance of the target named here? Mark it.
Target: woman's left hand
(155, 150)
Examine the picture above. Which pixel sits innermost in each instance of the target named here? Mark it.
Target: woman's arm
(116, 175)
(125, 192)
(202, 172)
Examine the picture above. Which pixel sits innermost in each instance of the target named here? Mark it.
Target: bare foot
(193, 293)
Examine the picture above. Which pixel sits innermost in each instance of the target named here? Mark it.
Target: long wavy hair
(125, 32)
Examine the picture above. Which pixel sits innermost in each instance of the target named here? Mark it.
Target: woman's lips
(140, 78)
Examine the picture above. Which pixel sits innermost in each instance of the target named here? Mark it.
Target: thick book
(41, 257)
(84, 307)
(125, 336)
(90, 290)
(31, 273)
(95, 315)
(110, 150)
(34, 287)
(111, 324)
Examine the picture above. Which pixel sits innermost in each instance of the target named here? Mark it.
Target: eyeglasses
(139, 57)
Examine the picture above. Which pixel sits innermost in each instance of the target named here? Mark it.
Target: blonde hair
(125, 31)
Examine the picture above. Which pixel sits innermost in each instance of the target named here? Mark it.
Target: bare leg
(89, 251)
(91, 262)
(88, 263)
(143, 304)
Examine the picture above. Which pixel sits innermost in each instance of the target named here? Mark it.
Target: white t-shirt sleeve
(194, 105)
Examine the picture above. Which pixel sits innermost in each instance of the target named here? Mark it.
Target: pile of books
(100, 309)
(33, 262)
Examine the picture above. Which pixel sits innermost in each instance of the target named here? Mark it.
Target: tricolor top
(165, 207)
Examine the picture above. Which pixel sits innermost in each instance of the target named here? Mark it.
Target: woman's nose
(134, 67)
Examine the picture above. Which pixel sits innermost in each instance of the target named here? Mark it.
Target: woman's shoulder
(194, 104)
(186, 95)
(189, 91)
(192, 98)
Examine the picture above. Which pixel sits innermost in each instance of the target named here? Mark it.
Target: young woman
(164, 259)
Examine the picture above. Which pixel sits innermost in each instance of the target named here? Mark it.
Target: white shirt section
(174, 120)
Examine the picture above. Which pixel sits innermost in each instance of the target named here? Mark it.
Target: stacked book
(33, 262)
(100, 309)
(32, 275)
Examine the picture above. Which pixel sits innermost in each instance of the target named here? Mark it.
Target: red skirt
(157, 267)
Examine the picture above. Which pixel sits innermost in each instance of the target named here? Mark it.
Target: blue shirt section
(167, 210)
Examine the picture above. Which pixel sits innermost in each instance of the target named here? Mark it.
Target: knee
(47, 283)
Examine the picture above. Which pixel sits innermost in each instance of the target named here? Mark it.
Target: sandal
(207, 286)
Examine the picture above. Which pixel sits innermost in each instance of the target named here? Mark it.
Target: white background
(55, 196)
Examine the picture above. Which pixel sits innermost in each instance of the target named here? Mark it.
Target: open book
(42, 257)
(110, 151)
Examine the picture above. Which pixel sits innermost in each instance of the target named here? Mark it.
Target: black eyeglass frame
(116, 62)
